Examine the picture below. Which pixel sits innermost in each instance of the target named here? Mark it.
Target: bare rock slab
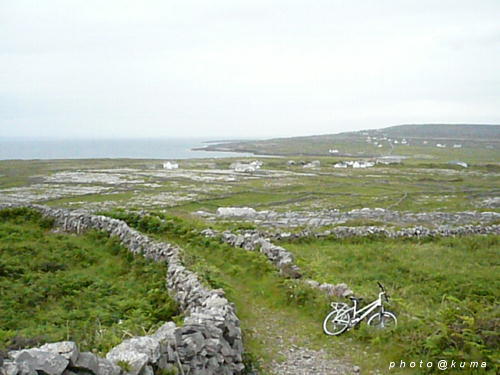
(38, 360)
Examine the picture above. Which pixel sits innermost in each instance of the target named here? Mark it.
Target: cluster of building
(386, 160)
(246, 167)
(304, 164)
(170, 165)
(377, 141)
(354, 164)
(441, 145)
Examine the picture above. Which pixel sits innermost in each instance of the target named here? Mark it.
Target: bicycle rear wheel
(336, 322)
(385, 320)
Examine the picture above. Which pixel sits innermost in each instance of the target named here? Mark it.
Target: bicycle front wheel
(336, 322)
(385, 320)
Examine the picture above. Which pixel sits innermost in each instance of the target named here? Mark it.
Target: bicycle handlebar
(383, 291)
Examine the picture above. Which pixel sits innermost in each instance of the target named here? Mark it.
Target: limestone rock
(35, 359)
(108, 368)
(67, 349)
(137, 351)
(87, 361)
(9, 368)
(135, 361)
(165, 333)
(147, 370)
(242, 212)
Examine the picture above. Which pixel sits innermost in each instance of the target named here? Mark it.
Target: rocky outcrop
(321, 218)
(236, 212)
(209, 341)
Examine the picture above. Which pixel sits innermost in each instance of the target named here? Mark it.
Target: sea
(145, 148)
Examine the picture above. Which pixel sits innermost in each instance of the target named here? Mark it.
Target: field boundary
(209, 341)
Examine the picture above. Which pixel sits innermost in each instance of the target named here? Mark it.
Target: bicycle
(343, 316)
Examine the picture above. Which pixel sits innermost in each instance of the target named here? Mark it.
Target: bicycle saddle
(357, 299)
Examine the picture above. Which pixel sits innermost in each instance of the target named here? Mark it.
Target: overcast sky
(230, 68)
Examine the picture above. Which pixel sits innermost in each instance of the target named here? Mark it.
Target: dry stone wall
(209, 341)
(411, 232)
(283, 259)
(254, 240)
(321, 218)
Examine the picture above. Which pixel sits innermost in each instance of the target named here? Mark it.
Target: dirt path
(292, 353)
(304, 361)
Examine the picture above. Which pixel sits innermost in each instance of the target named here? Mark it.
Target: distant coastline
(167, 148)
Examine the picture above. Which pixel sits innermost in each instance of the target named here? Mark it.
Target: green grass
(427, 184)
(85, 288)
(270, 308)
(424, 189)
(477, 147)
(445, 291)
(91, 198)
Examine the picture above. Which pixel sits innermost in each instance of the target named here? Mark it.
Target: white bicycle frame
(359, 315)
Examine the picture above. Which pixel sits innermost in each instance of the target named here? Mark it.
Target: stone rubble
(209, 341)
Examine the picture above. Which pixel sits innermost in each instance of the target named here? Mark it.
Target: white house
(247, 168)
(340, 165)
(333, 151)
(440, 145)
(457, 146)
(257, 164)
(354, 164)
(313, 164)
(459, 163)
(170, 165)
(362, 164)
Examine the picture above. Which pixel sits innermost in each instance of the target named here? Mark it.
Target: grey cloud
(244, 68)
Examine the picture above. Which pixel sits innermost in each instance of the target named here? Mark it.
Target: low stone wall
(209, 341)
(283, 259)
(254, 240)
(411, 232)
(320, 218)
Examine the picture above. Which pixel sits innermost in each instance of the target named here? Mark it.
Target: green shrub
(85, 288)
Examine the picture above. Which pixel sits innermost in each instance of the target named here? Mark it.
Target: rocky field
(253, 226)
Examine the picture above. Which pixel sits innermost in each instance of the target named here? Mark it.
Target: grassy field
(445, 291)
(398, 188)
(476, 143)
(414, 186)
(85, 288)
